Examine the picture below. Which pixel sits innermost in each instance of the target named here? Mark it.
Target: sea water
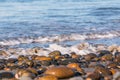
(30, 23)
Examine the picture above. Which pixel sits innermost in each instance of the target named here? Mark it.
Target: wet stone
(76, 78)
(45, 63)
(47, 77)
(6, 75)
(90, 56)
(54, 53)
(67, 61)
(60, 72)
(103, 52)
(101, 66)
(2, 66)
(3, 53)
(12, 60)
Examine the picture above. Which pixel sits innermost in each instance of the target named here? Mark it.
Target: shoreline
(82, 48)
(95, 62)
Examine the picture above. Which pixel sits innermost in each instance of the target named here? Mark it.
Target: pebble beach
(83, 61)
(59, 40)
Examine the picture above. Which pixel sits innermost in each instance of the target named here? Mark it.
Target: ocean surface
(30, 23)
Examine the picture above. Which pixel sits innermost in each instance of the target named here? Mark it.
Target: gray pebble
(76, 78)
(25, 78)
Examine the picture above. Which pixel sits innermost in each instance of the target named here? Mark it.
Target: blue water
(33, 18)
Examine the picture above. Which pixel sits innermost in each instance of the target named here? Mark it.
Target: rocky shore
(78, 62)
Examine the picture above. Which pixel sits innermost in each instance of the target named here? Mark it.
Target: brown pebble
(43, 58)
(75, 66)
(60, 72)
(93, 76)
(54, 53)
(24, 73)
(47, 77)
(3, 53)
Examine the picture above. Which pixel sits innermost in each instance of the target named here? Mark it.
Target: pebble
(99, 65)
(47, 77)
(60, 72)
(76, 78)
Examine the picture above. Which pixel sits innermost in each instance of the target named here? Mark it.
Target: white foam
(60, 38)
(46, 51)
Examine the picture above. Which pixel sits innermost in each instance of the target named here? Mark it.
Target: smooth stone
(73, 65)
(76, 66)
(116, 76)
(47, 77)
(60, 72)
(25, 78)
(54, 53)
(76, 78)
(90, 56)
(24, 73)
(93, 76)
(3, 53)
(45, 63)
(67, 61)
(5, 74)
(107, 57)
(43, 58)
(103, 52)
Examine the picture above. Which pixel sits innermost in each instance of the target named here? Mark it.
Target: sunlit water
(30, 19)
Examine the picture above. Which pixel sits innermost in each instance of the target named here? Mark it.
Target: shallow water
(30, 22)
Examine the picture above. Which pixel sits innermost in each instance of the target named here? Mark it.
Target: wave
(59, 38)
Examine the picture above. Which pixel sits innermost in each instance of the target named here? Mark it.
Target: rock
(3, 53)
(67, 61)
(60, 72)
(7, 75)
(9, 79)
(76, 66)
(30, 63)
(107, 57)
(118, 48)
(112, 48)
(117, 59)
(59, 57)
(12, 60)
(2, 60)
(75, 56)
(54, 53)
(103, 52)
(102, 70)
(25, 78)
(92, 64)
(117, 54)
(107, 77)
(66, 55)
(47, 77)
(43, 58)
(90, 56)
(73, 65)
(24, 73)
(2, 66)
(45, 63)
(23, 58)
(93, 76)
(33, 70)
(116, 76)
(113, 71)
(112, 65)
(41, 70)
(76, 78)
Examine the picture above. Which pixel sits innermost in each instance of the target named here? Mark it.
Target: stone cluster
(103, 65)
